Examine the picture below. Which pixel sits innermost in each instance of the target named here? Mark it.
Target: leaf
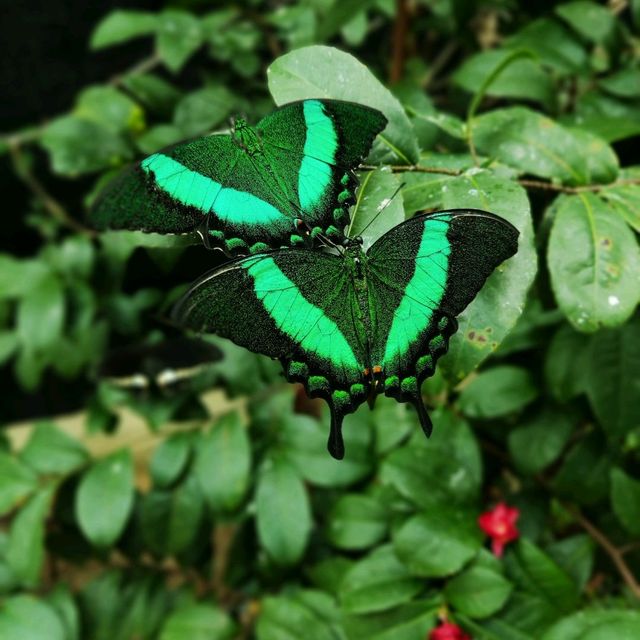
(310, 72)
(104, 498)
(223, 463)
(198, 622)
(449, 463)
(17, 482)
(357, 522)
(480, 329)
(589, 19)
(14, 273)
(339, 15)
(25, 547)
(154, 92)
(202, 110)
(478, 592)
(422, 191)
(523, 78)
(159, 137)
(170, 459)
(625, 499)
(596, 625)
(110, 108)
(41, 314)
(575, 556)
(122, 25)
(378, 208)
(535, 144)
(565, 363)
(178, 36)
(540, 440)
(625, 199)
(61, 600)
(497, 392)
(24, 617)
(51, 451)
(605, 116)
(283, 513)
(377, 582)
(613, 376)
(594, 262)
(438, 542)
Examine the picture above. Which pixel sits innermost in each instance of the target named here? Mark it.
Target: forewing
(293, 305)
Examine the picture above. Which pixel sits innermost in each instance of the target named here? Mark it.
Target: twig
(399, 40)
(145, 65)
(223, 536)
(440, 62)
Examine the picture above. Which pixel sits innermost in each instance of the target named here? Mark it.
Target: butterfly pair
(348, 325)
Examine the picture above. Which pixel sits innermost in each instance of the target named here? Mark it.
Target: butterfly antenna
(383, 207)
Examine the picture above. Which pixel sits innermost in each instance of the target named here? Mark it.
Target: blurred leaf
(122, 25)
(24, 617)
(605, 116)
(109, 107)
(17, 482)
(478, 592)
(25, 548)
(202, 110)
(613, 377)
(355, 30)
(480, 329)
(311, 73)
(378, 207)
(357, 522)
(377, 582)
(283, 514)
(565, 365)
(51, 451)
(497, 392)
(170, 459)
(340, 14)
(594, 261)
(575, 556)
(198, 622)
(178, 36)
(14, 273)
(105, 497)
(223, 463)
(159, 137)
(61, 600)
(438, 542)
(9, 343)
(596, 625)
(625, 498)
(589, 19)
(625, 199)
(153, 91)
(624, 83)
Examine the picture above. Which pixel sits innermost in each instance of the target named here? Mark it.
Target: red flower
(500, 525)
(448, 631)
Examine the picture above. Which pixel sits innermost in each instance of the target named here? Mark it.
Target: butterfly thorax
(247, 137)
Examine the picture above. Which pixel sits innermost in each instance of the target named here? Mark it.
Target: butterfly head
(246, 136)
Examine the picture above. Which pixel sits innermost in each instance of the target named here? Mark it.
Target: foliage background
(237, 523)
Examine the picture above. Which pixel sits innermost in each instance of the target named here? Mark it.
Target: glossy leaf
(24, 617)
(478, 592)
(625, 498)
(596, 625)
(198, 622)
(357, 522)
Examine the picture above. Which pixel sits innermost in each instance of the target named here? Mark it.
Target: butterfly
(285, 182)
(354, 324)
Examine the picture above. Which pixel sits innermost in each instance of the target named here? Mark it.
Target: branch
(222, 542)
(399, 40)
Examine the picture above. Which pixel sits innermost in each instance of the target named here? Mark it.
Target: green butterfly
(356, 324)
(284, 182)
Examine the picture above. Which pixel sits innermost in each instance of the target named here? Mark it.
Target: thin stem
(144, 66)
(399, 40)
(223, 537)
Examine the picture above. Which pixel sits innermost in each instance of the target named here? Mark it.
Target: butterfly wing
(313, 146)
(422, 274)
(294, 305)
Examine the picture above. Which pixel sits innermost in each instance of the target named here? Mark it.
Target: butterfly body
(357, 324)
(285, 182)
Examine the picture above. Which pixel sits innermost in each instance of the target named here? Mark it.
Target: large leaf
(597, 624)
(625, 198)
(203, 110)
(198, 622)
(478, 592)
(178, 36)
(594, 261)
(325, 72)
(24, 617)
(590, 19)
(481, 329)
(357, 522)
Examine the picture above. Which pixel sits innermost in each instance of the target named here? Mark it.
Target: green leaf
(198, 622)
(310, 72)
(170, 520)
(25, 548)
(438, 542)
(625, 199)
(178, 36)
(14, 273)
(24, 617)
(17, 482)
(378, 207)
(575, 556)
(596, 625)
(283, 513)
(61, 600)
(624, 83)
(522, 78)
(51, 451)
(223, 463)
(449, 463)
(202, 110)
(156, 138)
(154, 92)
(423, 190)
(122, 25)
(613, 376)
(607, 117)
(589, 19)
(565, 363)
(625, 499)
(105, 497)
(480, 329)
(41, 314)
(497, 392)
(535, 144)
(170, 459)
(594, 261)
(478, 592)
(540, 440)
(357, 522)
(106, 106)
(339, 15)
